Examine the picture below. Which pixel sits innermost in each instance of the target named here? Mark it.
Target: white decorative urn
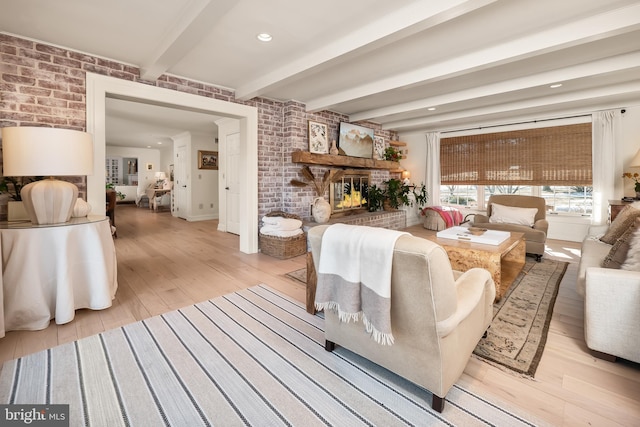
(321, 210)
(81, 208)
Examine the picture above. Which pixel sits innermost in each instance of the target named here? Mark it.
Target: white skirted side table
(49, 271)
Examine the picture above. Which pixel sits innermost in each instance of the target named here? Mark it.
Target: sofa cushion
(619, 225)
(618, 253)
(592, 253)
(632, 261)
(501, 214)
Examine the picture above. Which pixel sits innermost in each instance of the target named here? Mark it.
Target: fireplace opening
(348, 192)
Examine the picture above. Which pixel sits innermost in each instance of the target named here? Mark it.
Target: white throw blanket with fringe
(354, 276)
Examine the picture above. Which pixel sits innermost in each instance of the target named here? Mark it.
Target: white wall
(145, 156)
(415, 163)
(630, 137)
(560, 227)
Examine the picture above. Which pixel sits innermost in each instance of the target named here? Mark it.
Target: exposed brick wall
(43, 85)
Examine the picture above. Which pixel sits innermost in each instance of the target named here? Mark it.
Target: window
(552, 162)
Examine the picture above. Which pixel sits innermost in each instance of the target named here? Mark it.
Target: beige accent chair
(437, 316)
(536, 236)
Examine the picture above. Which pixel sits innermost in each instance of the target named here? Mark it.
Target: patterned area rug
(521, 319)
(253, 358)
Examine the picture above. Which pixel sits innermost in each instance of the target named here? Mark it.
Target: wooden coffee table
(504, 261)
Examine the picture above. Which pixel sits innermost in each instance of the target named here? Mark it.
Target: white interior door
(180, 186)
(232, 188)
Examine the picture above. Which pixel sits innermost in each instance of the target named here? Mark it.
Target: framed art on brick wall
(318, 137)
(378, 147)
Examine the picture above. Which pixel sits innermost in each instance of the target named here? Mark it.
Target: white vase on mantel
(321, 210)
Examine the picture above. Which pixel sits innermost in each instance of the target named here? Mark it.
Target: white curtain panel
(432, 174)
(605, 127)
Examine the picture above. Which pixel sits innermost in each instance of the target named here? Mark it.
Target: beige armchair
(437, 316)
(534, 235)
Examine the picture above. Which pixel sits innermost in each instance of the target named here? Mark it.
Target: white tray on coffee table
(489, 237)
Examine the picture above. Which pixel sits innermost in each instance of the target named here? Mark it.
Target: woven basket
(283, 247)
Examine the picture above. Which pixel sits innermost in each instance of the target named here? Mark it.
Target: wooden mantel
(346, 161)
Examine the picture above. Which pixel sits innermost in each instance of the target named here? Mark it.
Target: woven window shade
(559, 155)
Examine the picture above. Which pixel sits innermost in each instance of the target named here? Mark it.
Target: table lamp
(160, 176)
(42, 151)
(635, 162)
(406, 177)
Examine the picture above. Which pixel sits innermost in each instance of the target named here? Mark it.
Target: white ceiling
(478, 62)
(132, 124)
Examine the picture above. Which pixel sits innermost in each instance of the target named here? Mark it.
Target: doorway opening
(100, 87)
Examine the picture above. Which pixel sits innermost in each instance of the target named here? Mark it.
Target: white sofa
(611, 302)
(130, 193)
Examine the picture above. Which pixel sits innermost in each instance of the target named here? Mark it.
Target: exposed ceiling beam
(195, 22)
(604, 66)
(581, 31)
(555, 100)
(400, 24)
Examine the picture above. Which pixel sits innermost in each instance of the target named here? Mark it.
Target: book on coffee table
(489, 237)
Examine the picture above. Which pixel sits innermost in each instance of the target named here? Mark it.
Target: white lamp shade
(161, 175)
(41, 151)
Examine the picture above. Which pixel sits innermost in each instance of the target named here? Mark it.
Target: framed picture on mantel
(378, 147)
(356, 141)
(318, 137)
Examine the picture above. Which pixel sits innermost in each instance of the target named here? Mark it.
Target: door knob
(226, 188)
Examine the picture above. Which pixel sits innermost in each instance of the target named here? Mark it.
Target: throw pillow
(619, 225)
(618, 253)
(501, 214)
(633, 255)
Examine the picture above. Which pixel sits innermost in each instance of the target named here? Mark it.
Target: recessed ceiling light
(553, 86)
(431, 108)
(148, 146)
(264, 37)
(159, 142)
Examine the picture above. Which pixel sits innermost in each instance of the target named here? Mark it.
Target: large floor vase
(321, 210)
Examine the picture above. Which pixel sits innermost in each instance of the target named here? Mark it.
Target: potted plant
(12, 186)
(375, 198)
(397, 193)
(392, 154)
(421, 196)
(636, 178)
(110, 186)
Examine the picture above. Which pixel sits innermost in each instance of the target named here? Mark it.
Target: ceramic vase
(81, 208)
(321, 210)
(334, 150)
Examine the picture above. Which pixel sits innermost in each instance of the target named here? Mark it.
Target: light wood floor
(166, 263)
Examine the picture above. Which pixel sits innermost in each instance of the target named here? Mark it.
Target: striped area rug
(253, 357)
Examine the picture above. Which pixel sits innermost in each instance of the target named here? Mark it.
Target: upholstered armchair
(515, 213)
(437, 316)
